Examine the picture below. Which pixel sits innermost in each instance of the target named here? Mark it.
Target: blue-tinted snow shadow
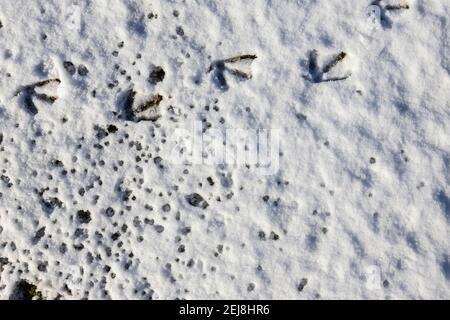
(136, 21)
(444, 202)
(446, 267)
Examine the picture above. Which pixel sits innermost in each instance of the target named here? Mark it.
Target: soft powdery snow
(107, 191)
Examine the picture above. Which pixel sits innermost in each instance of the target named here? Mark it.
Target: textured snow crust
(95, 204)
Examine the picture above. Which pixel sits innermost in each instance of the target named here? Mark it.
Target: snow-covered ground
(107, 191)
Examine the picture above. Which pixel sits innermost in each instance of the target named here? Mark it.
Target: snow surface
(358, 208)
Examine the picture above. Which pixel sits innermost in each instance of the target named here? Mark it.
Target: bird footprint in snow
(317, 74)
(45, 91)
(384, 9)
(239, 66)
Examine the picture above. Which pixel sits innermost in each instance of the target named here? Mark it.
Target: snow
(355, 206)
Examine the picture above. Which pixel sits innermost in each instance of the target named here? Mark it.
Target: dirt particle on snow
(196, 200)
